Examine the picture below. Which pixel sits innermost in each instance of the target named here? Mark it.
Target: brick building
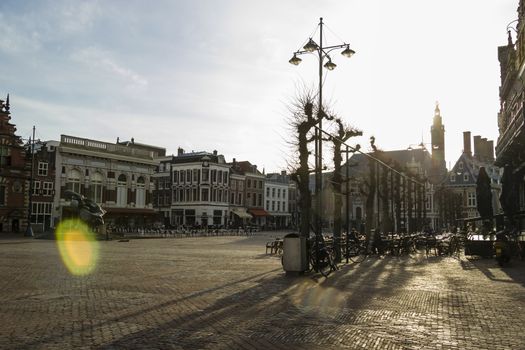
(14, 175)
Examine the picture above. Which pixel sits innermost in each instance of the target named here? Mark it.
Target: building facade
(253, 191)
(118, 176)
(200, 190)
(510, 149)
(276, 200)
(14, 175)
(463, 176)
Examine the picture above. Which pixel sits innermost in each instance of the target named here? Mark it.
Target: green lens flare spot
(77, 246)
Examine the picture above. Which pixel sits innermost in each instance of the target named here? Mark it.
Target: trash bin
(294, 253)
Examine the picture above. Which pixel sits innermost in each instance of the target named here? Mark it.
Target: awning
(241, 212)
(258, 212)
(130, 211)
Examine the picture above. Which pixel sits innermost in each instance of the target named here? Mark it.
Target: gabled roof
(413, 158)
(470, 166)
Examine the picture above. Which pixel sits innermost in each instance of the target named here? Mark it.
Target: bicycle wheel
(324, 265)
(357, 253)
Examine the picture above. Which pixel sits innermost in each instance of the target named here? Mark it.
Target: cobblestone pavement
(225, 293)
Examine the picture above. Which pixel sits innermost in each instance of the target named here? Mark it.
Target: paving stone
(225, 293)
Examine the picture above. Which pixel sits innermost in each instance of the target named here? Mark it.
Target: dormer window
(460, 166)
(452, 177)
(465, 177)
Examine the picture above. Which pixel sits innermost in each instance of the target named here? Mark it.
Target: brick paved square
(225, 293)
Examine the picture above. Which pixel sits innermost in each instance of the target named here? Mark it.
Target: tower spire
(7, 104)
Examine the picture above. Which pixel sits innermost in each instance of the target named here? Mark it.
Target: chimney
(180, 151)
(490, 150)
(283, 172)
(467, 150)
(477, 146)
(132, 140)
(214, 152)
(484, 150)
(233, 162)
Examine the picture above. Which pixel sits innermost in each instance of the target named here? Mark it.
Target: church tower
(437, 132)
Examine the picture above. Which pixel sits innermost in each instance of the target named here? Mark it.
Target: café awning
(259, 212)
(241, 212)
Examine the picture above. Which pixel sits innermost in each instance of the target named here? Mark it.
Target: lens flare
(77, 246)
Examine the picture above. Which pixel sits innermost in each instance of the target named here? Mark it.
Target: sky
(210, 75)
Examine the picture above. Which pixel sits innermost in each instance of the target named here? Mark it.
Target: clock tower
(437, 132)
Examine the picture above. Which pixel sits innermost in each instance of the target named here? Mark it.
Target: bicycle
(354, 249)
(321, 256)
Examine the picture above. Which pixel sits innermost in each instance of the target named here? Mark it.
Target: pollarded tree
(305, 116)
(342, 134)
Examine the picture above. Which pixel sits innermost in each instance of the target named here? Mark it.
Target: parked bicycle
(353, 248)
(321, 256)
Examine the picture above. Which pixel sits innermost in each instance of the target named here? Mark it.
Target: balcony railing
(106, 147)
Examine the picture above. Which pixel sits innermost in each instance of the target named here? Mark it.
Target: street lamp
(29, 229)
(322, 53)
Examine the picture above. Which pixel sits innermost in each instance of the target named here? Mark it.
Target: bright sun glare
(77, 246)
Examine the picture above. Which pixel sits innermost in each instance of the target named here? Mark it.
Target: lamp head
(295, 60)
(348, 52)
(311, 46)
(330, 65)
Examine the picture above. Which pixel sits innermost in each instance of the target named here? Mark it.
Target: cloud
(101, 60)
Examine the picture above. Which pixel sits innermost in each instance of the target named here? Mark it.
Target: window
(219, 176)
(278, 193)
(225, 178)
(278, 206)
(267, 191)
(465, 177)
(140, 199)
(122, 190)
(36, 187)
(42, 168)
(232, 198)
(205, 175)
(47, 188)
(248, 183)
(195, 195)
(196, 176)
(182, 176)
(267, 205)
(41, 212)
(205, 194)
(73, 181)
(214, 176)
(2, 195)
(5, 159)
(176, 176)
(460, 166)
(241, 185)
(273, 192)
(471, 199)
(452, 177)
(259, 200)
(284, 193)
(273, 205)
(239, 197)
(260, 184)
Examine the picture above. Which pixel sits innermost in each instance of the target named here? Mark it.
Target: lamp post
(29, 229)
(322, 53)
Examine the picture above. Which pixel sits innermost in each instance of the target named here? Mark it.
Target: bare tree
(304, 118)
(342, 134)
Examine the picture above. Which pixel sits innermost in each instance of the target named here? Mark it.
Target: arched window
(140, 193)
(358, 213)
(73, 181)
(96, 187)
(122, 191)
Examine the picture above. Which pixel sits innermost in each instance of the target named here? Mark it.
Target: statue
(85, 209)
